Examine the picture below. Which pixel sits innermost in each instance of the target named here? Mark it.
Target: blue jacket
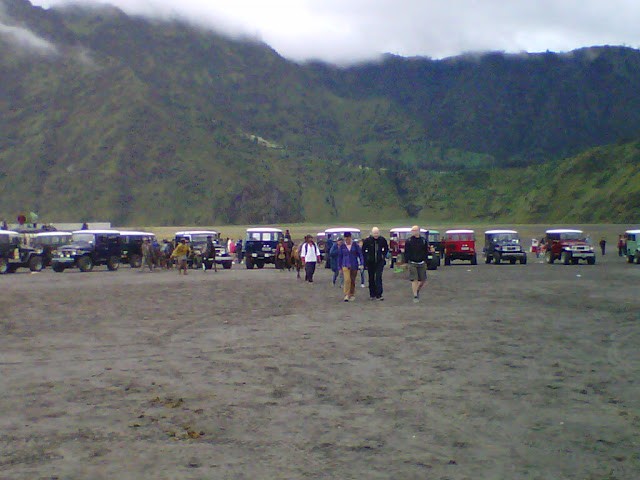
(350, 259)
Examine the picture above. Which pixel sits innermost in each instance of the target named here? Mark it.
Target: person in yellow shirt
(181, 252)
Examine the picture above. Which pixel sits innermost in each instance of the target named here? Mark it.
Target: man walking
(415, 254)
(375, 249)
(350, 260)
(147, 255)
(309, 253)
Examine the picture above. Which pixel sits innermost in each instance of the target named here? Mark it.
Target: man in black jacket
(415, 253)
(375, 249)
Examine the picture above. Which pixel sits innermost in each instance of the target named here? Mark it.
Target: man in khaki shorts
(415, 254)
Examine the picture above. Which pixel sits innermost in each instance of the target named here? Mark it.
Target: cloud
(352, 30)
(23, 38)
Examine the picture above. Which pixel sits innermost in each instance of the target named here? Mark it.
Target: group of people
(348, 259)
(622, 246)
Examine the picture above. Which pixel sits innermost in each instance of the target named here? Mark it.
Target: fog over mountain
(348, 31)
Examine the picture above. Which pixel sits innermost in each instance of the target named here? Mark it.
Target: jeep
(259, 246)
(333, 234)
(503, 245)
(14, 254)
(398, 238)
(87, 249)
(632, 238)
(199, 257)
(48, 242)
(460, 245)
(132, 247)
(568, 246)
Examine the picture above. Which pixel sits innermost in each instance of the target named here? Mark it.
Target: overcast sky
(351, 30)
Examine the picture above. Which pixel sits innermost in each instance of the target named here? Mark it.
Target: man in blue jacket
(375, 249)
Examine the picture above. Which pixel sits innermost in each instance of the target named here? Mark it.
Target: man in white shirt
(309, 253)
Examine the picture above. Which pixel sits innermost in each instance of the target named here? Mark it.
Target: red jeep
(459, 245)
(569, 246)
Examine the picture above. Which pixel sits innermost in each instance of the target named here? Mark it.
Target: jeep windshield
(460, 237)
(202, 238)
(84, 237)
(264, 236)
(51, 240)
(570, 236)
(508, 238)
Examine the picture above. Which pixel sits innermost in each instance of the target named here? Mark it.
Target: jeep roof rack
(408, 229)
(264, 229)
(197, 232)
(564, 230)
(98, 231)
(459, 231)
(499, 231)
(341, 230)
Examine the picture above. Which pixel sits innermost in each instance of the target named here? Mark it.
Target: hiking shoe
(362, 285)
(346, 298)
(416, 299)
(381, 298)
(372, 298)
(351, 299)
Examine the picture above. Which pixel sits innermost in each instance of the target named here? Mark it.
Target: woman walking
(350, 260)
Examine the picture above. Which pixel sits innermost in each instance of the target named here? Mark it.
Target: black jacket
(375, 250)
(416, 249)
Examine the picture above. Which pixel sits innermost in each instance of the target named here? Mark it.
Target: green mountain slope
(107, 116)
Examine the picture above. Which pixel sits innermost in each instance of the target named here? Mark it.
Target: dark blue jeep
(89, 248)
(259, 246)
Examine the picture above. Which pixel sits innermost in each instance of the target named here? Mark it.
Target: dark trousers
(375, 279)
(309, 270)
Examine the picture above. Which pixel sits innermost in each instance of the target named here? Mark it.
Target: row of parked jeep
(84, 249)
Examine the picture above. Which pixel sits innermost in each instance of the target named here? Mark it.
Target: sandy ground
(501, 372)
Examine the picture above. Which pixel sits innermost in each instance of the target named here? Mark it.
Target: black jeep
(14, 254)
(49, 242)
(89, 248)
(260, 246)
(132, 247)
(503, 245)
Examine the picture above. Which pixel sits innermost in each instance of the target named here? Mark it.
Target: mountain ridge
(141, 121)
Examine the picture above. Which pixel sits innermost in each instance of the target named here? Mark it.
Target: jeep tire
(496, 258)
(512, 261)
(135, 261)
(4, 266)
(35, 263)
(447, 260)
(566, 258)
(630, 258)
(591, 260)
(57, 267)
(523, 260)
(474, 260)
(85, 264)
(113, 263)
(260, 264)
(249, 263)
(226, 265)
(550, 257)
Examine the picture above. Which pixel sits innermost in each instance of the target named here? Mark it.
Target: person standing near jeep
(147, 255)
(415, 254)
(181, 252)
(375, 249)
(309, 253)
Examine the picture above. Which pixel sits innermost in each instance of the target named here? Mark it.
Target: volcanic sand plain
(500, 372)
